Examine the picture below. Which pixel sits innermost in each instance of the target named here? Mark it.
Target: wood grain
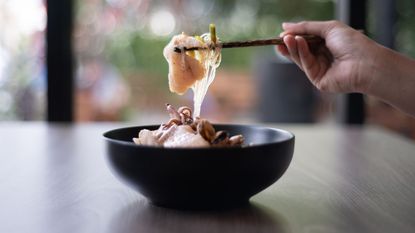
(55, 178)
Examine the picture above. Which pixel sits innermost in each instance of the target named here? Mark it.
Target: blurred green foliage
(405, 38)
(138, 54)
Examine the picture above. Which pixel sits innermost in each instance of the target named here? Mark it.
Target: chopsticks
(250, 43)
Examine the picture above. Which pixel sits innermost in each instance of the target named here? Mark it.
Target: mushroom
(171, 122)
(185, 115)
(206, 130)
(185, 110)
(195, 123)
(181, 123)
(185, 119)
(236, 140)
(172, 112)
(221, 138)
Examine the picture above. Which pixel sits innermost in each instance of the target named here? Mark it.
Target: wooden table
(55, 178)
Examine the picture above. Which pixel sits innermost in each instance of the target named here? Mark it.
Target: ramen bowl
(201, 178)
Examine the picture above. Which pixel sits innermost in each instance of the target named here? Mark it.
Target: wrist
(379, 67)
(393, 79)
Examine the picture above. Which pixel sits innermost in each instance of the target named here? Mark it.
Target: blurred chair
(284, 92)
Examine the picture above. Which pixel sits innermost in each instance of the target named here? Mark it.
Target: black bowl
(202, 178)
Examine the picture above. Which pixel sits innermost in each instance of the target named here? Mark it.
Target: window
(22, 60)
(121, 73)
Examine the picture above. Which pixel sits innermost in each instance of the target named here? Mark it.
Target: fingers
(297, 49)
(310, 27)
(311, 65)
(283, 50)
(292, 49)
(306, 58)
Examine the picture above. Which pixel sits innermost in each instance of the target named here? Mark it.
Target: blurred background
(121, 74)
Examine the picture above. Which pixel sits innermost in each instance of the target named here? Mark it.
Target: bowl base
(207, 206)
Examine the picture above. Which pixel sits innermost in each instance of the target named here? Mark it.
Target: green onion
(212, 30)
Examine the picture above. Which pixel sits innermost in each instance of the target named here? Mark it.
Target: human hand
(343, 64)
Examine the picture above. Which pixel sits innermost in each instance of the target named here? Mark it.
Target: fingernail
(288, 36)
(287, 24)
(297, 37)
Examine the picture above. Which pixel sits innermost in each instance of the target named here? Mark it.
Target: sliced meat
(184, 70)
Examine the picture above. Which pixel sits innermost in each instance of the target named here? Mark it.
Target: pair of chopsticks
(239, 44)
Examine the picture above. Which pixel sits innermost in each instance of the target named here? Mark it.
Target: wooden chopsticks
(250, 43)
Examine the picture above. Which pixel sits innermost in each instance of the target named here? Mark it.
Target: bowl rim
(290, 137)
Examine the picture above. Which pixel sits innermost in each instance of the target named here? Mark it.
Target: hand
(351, 62)
(342, 64)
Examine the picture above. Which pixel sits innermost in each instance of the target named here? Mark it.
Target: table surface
(55, 178)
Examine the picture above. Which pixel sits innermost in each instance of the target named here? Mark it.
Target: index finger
(319, 28)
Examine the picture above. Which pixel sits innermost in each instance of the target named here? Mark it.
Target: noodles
(210, 62)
